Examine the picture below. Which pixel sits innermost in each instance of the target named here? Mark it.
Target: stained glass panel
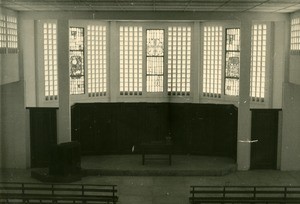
(76, 38)
(233, 39)
(154, 83)
(232, 61)
(155, 65)
(233, 64)
(76, 60)
(232, 87)
(155, 60)
(155, 42)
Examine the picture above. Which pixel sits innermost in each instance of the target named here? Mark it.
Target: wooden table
(156, 148)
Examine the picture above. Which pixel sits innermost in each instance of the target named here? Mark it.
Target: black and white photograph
(150, 102)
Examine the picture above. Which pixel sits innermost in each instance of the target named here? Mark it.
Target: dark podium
(64, 165)
(156, 148)
(65, 159)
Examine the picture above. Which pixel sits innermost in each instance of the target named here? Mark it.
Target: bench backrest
(246, 191)
(58, 189)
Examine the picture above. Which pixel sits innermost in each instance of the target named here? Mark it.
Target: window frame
(164, 96)
(7, 49)
(268, 69)
(223, 97)
(40, 71)
(294, 51)
(85, 96)
(202, 48)
(124, 93)
(238, 51)
(40, 90)
(234, 99)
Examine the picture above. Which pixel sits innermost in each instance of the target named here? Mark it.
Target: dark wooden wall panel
(224, 121)
(114, 128)
(264, 129)
(43, 135)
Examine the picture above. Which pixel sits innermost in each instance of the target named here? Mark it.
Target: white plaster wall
(27, 49)
(13, 125)
(9, 68)
(290, 152)
(295, 69)
(279, 59)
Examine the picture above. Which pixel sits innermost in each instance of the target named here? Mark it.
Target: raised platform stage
(182, 165)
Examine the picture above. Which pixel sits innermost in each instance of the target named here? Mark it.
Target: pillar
(63, 114)
(244, 114)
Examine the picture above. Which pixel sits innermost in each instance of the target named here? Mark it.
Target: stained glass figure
(76, 66)
(76, 60)
(232, 69)
(232, 64)
(233, 39)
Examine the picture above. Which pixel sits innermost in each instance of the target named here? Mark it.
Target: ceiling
(281, 6)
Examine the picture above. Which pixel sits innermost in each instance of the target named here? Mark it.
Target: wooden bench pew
(12, 192)
(245, 194)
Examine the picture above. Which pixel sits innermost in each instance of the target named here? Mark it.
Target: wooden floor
(182, 165)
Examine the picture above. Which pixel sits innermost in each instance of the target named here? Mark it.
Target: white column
(63, 113)
(244, 114)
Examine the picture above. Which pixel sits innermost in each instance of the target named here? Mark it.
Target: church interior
(211, 88)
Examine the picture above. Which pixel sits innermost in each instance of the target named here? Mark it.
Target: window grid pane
(295, 34)
(96, 60)
(212, 61)
(131, 60)
(12, 34)
(50, 61)
(179, 57)
(258, 62)
(232, 63)
(155, 60)
(76, 46)
(2, 34)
